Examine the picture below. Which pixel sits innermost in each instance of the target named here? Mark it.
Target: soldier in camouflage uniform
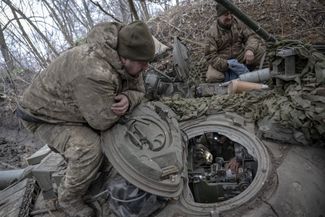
(84, 91)
(229, 39)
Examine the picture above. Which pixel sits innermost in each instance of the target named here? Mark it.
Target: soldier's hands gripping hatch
(121, 106)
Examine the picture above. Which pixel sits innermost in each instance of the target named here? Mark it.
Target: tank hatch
(146, 148)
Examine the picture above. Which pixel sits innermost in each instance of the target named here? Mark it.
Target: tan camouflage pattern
(80, 146)
(223, 44)
(76, 93)
(80, 85)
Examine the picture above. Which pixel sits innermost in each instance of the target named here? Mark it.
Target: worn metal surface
(9, 177)
(38, 156)
(181, 60)
(44, 171)
(300, 190)
(16, 201)
(146, 148)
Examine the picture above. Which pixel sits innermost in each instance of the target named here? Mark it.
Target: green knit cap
(221, 10)
(135, 42)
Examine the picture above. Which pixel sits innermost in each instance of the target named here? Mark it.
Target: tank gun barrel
(247, 20)
(9, 176)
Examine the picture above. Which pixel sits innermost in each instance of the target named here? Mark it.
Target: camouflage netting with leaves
(297, 104)
(303, 20)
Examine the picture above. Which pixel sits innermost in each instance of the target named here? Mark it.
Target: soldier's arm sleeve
(251, 40)
(95, 96)
(213, 57)
(134, 91)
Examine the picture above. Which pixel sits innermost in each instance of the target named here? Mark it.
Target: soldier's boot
(76, 208)
(72, 203)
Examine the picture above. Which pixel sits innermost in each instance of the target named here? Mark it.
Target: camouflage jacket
(223, 44)
(80, 85)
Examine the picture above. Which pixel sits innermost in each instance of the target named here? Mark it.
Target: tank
(162, 167)
(172, 156)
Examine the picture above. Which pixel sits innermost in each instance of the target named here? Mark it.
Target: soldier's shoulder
(239, 25)
(213, 30)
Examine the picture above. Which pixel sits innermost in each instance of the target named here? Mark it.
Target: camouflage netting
(303, 20)
(298, 104)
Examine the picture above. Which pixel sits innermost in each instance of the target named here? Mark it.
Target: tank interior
(218, 168)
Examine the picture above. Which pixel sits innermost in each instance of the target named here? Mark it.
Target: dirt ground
(16, 143)
(189, 22)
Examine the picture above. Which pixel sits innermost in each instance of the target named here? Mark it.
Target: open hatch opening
(218, 168)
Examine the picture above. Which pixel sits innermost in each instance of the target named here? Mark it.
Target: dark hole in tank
(218, 168)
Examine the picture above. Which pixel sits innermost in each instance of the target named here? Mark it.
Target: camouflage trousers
(80, 146)
(213, 75)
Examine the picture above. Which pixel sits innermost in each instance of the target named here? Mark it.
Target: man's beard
(228, 23)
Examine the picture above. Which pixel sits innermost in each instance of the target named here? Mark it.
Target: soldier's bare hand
(121, 106)
(233, 165)
(249, 57)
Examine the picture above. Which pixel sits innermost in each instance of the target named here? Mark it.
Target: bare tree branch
(8, 2)
(30, 43)
(5, 51)
(105, 12)
(62, 8)
(145, 9)
(126, 15)
(76, 9)
(133, 10)
(88, 15)
(65, 32)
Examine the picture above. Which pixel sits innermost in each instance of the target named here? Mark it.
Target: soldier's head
(225, 17)
(135, 47)
(134, 67)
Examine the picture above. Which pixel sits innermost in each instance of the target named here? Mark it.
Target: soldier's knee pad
(214, 75)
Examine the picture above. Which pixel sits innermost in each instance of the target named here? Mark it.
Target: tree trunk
(5, 52)
(166, 5)
(64, 30)
(83, 16)
(124, 11)
(145, 9)
(61, 6)
(133, 10)
(88, 15)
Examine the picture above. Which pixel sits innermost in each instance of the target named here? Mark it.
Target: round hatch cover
(146, 148)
